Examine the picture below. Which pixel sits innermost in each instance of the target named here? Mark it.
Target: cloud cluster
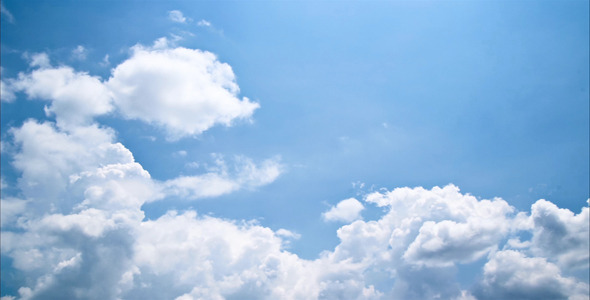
(183, 91)
(77, 230)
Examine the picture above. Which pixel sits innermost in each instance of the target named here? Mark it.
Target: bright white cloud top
(346, 210)
(186, 91)
(84, 216)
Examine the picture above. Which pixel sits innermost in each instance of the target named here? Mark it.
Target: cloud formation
(6, 13)
(183, 91)
(346, 211)
(78, 231)
(177, 16)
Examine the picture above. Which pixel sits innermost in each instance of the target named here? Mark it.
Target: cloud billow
(76, 229)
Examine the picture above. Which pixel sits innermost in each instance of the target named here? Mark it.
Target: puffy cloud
(438, 227)
(183, 90)
(346, 211)
(78, 230)
(39, 60)
(76, 97)
(48, 157)
(10, 209)
(6, 92)
(511, 275)
(176, 16)
(561, 235)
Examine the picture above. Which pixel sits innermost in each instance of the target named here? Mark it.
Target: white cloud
(78, 231)
(220, 181)
(346, 211)
(177, 16)
(40, 60)
(181, 153)
(204, 23)
(511, 275)
(561, 235)
(76, 97)
(6, 92)
(288, 234)
(183, 90)
(79, 53)
(10, 209)
(6, 13)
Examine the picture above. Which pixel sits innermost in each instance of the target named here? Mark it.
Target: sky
(295, 150)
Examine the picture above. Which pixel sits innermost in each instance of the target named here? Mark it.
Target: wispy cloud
(204, 23)
(79, 53)
(6, 14)
(177, 16)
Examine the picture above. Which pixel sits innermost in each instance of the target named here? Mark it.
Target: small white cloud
(7, 15)
(79, 53)
(220, 181)
(181, 153)
(193, 165)
(40, 60)
(177, 16)
(288, 234)
(204, 23)
(346, 211)
(6, 92)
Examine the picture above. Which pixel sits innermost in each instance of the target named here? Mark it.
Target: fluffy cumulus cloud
(76, 97)
(511, 275)
(184, 91)
(346, 210)
(76, 228)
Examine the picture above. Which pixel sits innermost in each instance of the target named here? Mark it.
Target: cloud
(511, 275)
(79, 53)
(76, 97)
(6, 92)
(176, 16)
(39, 60)
(220, 181)
(105, 61)
(204, 23)
(10, 209)
(184, 91)
(6, 14)
(77, 229)
(346, 211)
(561, 235)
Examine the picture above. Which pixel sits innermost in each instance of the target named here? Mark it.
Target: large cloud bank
(77, 229)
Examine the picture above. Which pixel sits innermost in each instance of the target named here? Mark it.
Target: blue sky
(308, 127)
